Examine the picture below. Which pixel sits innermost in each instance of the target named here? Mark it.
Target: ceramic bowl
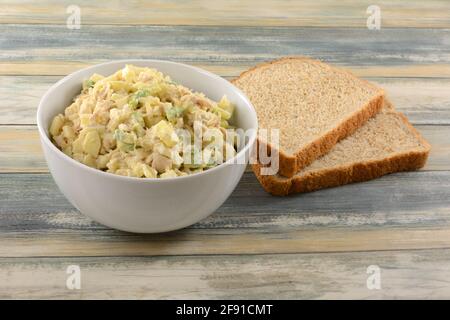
(138, 204)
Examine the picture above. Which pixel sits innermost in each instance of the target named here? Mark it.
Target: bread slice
(313, 104)
(386, 143)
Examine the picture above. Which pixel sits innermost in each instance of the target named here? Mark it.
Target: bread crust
(289, 164)
(345, 174)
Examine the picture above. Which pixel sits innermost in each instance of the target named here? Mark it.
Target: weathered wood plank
(412, 275)
(328, 13)
(424, 100)
(386, 47)
(232, 69)
(391, 201)
(61, 68)
(20, 149)
(19, 97)
(401, 211)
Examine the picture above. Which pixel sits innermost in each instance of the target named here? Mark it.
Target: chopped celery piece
(134, 100)
(174, 113)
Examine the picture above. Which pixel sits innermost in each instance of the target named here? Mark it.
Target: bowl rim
(46, 140)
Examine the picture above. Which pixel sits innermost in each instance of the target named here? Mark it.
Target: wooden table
(316, 245)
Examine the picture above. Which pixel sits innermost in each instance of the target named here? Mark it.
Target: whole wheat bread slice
(387, 143)
(313, 104)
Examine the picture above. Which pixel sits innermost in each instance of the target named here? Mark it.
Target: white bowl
(137, 204)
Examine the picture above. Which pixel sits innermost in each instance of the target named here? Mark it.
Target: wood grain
(409, 275)
(310, 246)
(35, 201)
(231, 70)
(225, 45)
(395, 212)
(423, 100)
(328, 13)
(20, 149)
(20, 96)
